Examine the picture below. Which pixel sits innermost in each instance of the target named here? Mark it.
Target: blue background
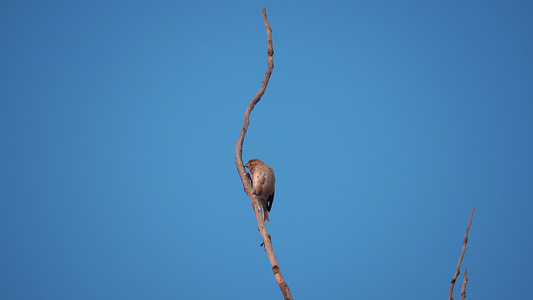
(386, 122)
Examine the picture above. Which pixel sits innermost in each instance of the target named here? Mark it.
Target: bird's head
(253, 163)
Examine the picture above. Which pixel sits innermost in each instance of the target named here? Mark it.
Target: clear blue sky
(386, 122)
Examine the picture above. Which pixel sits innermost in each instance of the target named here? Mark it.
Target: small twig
(245, 177)
(458, 270)
(463, 286)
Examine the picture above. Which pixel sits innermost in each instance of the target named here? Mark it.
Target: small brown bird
(263, 182)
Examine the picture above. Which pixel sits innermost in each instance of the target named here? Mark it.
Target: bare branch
(463, 286)
(245, 177)
(458, 270)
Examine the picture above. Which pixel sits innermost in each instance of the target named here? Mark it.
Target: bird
(264, 184)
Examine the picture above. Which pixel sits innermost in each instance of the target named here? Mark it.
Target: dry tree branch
(463, 286)
(245, 177)
(458, 270)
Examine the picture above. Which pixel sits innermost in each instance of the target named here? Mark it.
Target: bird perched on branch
(263, 182)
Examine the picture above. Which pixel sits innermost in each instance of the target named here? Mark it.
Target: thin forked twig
(245, 177)
(463, 286)
(458, 270)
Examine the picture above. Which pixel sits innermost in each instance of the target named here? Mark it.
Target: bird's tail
(265, 216)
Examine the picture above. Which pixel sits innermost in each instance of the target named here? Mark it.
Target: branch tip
(458, 270)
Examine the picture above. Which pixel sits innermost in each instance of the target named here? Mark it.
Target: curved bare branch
(245, 177)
